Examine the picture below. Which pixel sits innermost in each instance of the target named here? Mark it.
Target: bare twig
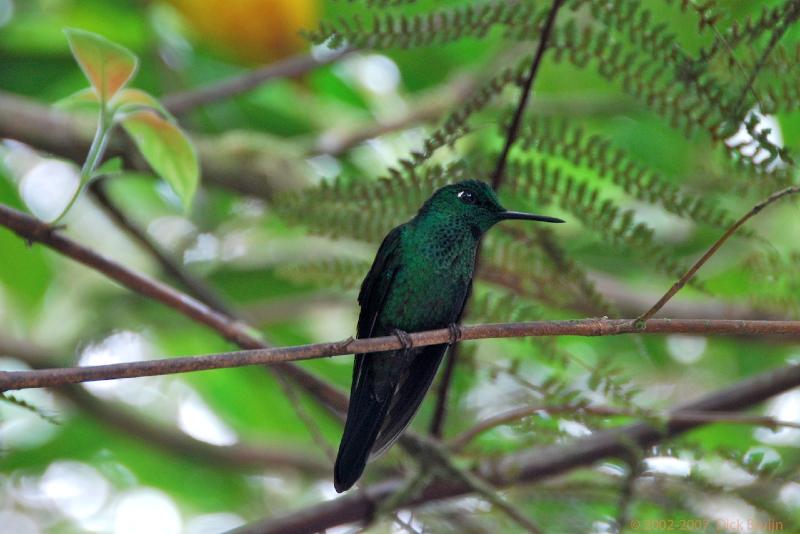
(627, 492)
(194, 286)
(711, 251)
(513, 130)
(538, 464)
(280, 356)
(338, 140)
(199, 290)
(432, 451)
(183, 102)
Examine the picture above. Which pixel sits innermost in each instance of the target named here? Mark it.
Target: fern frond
(746, 31)
(387, 30)
(544, 185)
(16, 401)
(597, 153)
(341, 272)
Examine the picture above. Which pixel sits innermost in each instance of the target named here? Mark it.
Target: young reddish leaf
(107, 65)
(168, 151)
(129, 100)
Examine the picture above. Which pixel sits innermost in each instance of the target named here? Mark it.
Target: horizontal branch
(282, 355)
(538, 464)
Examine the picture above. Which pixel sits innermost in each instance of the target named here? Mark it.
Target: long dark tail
(365, 417)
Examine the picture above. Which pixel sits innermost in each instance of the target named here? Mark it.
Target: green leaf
(111, 166)
(108, 66)
(130, 100)
(83, 99)
(168, 151)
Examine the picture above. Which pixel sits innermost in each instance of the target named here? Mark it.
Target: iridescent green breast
(437, 260)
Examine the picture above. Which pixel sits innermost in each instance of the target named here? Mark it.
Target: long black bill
(520, 215)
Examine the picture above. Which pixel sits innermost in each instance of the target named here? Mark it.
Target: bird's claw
(403, 337)
(455, 333)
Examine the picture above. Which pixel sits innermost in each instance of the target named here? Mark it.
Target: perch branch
(281, 356)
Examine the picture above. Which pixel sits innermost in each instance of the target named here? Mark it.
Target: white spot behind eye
(467, 197)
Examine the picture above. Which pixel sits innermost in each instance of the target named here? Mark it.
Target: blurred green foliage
(291, 264)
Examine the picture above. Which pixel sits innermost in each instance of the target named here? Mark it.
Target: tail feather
(365, 417)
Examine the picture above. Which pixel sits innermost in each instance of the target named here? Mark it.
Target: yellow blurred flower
(252, 31)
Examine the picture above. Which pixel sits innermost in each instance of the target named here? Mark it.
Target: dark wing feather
(368, 406)
(416, 381)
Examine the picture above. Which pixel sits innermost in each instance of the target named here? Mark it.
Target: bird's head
(476, 204)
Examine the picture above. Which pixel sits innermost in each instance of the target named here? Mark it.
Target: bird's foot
(404, 338)
(455, 333)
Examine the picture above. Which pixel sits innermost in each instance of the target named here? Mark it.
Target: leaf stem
(93, 158)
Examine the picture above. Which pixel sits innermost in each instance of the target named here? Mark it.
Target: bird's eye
(467, 197)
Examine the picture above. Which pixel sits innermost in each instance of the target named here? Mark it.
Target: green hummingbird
(420, 280)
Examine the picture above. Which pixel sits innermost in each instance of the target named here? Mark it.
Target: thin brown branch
(281, 356)
(512, 416)
(682, 281)
(165, 438)
(538, 464)
(199, 290)
(183, 102)
(513, 130)
(428, 108)
(237, 332)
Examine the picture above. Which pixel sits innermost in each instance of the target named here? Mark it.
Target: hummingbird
(420, 280)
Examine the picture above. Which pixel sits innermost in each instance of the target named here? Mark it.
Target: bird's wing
(375, 287)
(412, 387)
(369, 401)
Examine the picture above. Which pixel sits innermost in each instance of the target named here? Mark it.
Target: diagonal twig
(642, 319)
(235, 331)
(513, 129)
(194, 286)
(183, 102)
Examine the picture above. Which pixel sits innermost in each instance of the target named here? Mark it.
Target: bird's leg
(455, 333)
(404, 338)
